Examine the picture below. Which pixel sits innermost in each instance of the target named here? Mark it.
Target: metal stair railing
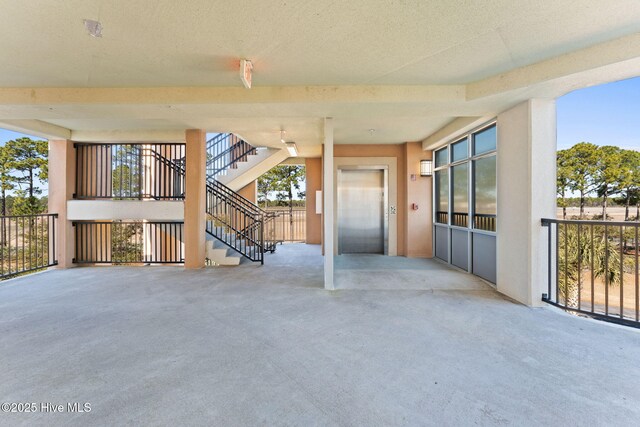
(232, 219)
(238, 222)
(224, 151)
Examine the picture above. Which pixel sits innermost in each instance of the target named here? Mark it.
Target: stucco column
(526, 168)
(327, 211)
(195, 199)
(62, 175)
(313, 171)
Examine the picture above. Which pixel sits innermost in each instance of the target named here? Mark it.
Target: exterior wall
(250, 191)
(313, 168)
(419, 223)
(526, 184)
(375, 154)
(61, 187)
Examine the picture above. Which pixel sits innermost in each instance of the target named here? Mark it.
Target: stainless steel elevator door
(361, 211)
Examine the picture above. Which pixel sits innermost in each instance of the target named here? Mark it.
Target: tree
(29, 158)
(563, 176)
(608, 174)
(629, 182)
(282, 180)
(581, 251)
(582, 165)
(6, 179)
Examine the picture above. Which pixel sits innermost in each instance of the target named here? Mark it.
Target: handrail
(27, 243)
(224, 151)
(594, 268)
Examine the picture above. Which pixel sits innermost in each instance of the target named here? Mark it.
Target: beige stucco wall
(313, 168)
(419, 223)
(250, 191)
(526, 184)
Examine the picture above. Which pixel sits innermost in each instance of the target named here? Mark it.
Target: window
(442, 157)
(460, 150)
(484, 193)
(460, 199)
(465, 202)
(442, 196)
(484, 141)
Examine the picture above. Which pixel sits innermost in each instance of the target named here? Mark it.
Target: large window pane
(442, 196)
(485, 193)
(484, 141)
(460, 208)
(460, 150)
(441, 157)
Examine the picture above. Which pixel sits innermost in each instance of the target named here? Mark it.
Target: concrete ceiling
(403, 68)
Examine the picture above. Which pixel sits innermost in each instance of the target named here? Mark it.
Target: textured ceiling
(198, 43)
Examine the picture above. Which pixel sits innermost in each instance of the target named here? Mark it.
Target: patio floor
(267, 345)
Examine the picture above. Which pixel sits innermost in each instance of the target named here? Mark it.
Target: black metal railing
(460, 219)
(442, 217)
(128, 242)
(224, 151)
(27, 243)
(290, 226)
(239, 223)
(485, 222)
(130, 171)
(593, 269)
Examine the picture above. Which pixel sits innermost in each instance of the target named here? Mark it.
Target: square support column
(195, 199)
(62, 177)
(327, 211)
(526, 168)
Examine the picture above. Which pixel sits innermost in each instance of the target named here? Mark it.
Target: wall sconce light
(426, 168)
(292, 149)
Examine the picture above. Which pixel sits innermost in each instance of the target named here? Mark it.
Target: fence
(290, 226)
(128, 242)
(27, 243)
(130, 171)
(593, 268)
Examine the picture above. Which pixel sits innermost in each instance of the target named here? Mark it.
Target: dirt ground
(616, 212)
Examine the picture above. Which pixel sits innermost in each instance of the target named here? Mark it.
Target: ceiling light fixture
(292, 149)
(282, 134)
(93, 27)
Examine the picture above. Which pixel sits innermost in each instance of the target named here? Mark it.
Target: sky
(608, 114)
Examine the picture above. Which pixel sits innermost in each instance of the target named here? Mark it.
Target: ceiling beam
(452, 130)
(36, 128)
(172, 135)
(232, 95)
(583, 60)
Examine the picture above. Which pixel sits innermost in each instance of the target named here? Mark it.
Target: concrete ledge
(87, 210)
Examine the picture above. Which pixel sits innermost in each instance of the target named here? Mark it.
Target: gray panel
(484, 256)
(442, 243)
(361, 211)
(460, 248)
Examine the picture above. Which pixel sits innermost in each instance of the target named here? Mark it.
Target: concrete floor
(268, 346)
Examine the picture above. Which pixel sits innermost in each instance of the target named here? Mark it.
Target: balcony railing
(27, 243)
(593, 269)
(290, 226)
(128, 242)
(130, 171)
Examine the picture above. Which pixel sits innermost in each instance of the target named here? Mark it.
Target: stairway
(232, 220)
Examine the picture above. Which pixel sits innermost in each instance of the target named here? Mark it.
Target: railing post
(262, 239)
